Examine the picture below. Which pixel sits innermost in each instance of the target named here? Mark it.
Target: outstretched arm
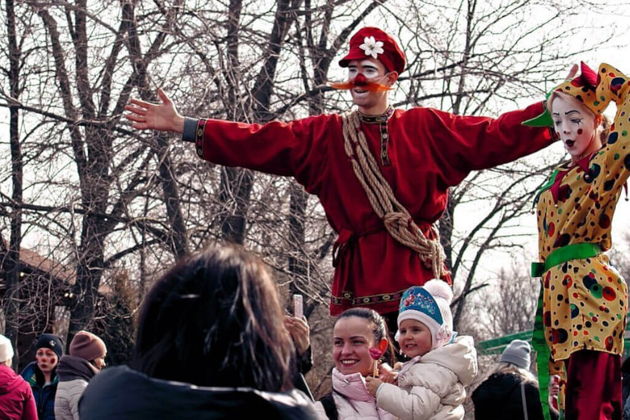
(148, 116)
(295, 148)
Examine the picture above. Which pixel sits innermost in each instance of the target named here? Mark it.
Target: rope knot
(396, 218)
(398, 221)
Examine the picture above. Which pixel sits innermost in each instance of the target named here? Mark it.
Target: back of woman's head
(511, 369)
(214, 319)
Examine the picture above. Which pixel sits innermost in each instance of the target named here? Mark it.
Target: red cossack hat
(371, 42)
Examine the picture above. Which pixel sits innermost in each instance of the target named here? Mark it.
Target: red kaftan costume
(421, 152)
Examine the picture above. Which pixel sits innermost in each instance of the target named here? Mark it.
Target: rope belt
(543, 355)
(396, 218)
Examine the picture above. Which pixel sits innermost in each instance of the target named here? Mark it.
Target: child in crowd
(431, 384)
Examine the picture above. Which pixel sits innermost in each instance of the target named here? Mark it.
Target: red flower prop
(375, 353)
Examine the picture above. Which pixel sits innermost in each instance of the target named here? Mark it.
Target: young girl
(584, 299)
(431, 384)
(355, 332)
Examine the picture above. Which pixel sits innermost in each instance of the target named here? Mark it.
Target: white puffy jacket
(67, 399)
(432, 386)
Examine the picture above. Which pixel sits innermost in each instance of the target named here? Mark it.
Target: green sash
(543, 355)
(566, 253)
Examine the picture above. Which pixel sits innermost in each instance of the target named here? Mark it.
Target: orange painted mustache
(362, 82)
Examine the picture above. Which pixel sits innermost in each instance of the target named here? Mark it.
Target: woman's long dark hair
(379, 329)
(214, 319)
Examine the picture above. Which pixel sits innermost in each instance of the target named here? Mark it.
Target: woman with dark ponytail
(359, 334)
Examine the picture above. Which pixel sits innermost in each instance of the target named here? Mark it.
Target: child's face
(352, 338)
(414, 338)
(576, 126)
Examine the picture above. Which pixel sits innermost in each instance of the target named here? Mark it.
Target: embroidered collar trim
(376, 119)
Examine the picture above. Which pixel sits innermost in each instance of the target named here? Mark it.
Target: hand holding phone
(298, 306)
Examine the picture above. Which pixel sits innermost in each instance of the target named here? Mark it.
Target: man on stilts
(381, 174)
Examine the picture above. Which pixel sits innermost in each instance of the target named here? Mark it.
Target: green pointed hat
(544, 119)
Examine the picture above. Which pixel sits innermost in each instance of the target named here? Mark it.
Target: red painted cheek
(580, 131)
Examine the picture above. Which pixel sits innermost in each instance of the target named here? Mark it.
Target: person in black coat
(511, 391)
(211, 344)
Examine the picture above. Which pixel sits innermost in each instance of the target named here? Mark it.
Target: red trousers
(593, 390)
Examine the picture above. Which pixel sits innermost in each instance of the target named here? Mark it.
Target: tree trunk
(11, 262)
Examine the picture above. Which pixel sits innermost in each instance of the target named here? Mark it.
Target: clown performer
(381, 174)
(584, 299)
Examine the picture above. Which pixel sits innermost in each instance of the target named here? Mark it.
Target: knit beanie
(52, 342)
(430, 304)
(87, 346)
(6, 349)
(517, 353)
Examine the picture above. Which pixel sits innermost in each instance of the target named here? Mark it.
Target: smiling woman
(357, 333)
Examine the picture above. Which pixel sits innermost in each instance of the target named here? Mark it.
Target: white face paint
(369, 102)
(575, 125)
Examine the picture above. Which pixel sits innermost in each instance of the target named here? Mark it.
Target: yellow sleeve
(610, 169)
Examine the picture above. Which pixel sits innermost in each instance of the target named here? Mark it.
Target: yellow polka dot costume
(584, 298)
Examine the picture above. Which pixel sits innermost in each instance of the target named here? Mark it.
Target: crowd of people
(209, 345)
(51, 386)
(212, 339)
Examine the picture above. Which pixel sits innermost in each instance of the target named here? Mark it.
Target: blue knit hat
(429, 304)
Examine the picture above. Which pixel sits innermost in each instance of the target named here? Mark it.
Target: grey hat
(517, 353)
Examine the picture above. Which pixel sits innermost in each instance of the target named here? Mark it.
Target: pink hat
(372, 42)
(87, 346)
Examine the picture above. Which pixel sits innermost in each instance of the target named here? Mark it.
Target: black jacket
(124, 394)
(500, 397)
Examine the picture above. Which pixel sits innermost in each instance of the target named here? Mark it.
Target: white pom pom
(439, 289)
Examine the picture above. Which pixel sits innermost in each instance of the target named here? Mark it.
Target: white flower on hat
(372, 47)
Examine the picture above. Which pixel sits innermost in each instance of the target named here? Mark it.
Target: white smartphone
(298, 306)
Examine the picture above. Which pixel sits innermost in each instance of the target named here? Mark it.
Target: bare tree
(101, 198)
(11, 251)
